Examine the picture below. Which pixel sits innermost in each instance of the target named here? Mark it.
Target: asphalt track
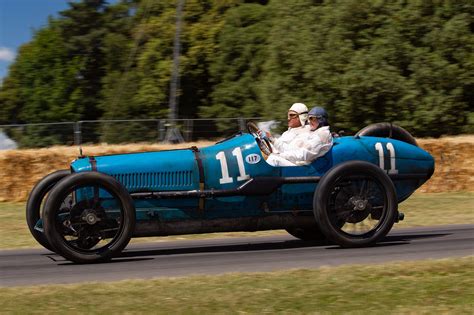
(246, 254)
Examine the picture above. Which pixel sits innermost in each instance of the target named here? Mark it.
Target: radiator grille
(156, 181)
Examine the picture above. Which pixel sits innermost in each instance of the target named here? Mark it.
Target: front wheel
(355, 204)
(89, 217)
(35, 200)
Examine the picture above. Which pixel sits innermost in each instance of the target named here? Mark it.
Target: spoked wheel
(35, 201)
(355, 204)
(263, 142)
(89, 217)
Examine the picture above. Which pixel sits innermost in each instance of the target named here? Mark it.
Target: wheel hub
(358, 203)
(360, 209)
(90, 217)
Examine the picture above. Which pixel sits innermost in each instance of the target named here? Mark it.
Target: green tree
(139, 88)
(10, 100)
(237, 65)
(83, 27)
(57, 75)
(409, 62)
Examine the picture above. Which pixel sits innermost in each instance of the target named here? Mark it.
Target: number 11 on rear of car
(391, 151)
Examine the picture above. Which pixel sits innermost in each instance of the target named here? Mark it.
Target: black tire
(387, 130)
(355, 195)
(35, 200)
(307, 234)
(81, 231)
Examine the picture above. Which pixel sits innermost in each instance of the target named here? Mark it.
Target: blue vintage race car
(349, 196)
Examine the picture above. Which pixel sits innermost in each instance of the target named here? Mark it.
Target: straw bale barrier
(21, 169)
(454, 164)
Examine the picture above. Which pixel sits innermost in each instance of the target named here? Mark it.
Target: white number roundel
(252, 158)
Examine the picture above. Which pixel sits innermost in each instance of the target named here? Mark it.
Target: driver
(297, 126)
(308, 142)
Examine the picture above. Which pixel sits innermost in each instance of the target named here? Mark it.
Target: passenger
(307, 145)
(320, 137)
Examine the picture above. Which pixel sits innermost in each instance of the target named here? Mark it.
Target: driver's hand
(264, 134)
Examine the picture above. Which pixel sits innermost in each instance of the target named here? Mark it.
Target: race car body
(349, 196)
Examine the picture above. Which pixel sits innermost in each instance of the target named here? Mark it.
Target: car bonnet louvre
(155, 181)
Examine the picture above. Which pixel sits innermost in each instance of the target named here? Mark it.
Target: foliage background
(408, 62)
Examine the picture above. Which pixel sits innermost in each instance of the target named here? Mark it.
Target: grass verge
(420, 210)
(424, 209)
(421, 287)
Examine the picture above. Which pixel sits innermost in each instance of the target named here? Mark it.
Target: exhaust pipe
(400, 217)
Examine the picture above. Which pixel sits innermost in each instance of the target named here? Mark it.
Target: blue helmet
(320, 114)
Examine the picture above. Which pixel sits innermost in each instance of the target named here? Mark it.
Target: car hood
(146, 171)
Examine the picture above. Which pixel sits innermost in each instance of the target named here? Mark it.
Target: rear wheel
(89, 217)
(35, 201)
(355, 204)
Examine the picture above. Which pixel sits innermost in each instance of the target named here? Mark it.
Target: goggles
(292, 115)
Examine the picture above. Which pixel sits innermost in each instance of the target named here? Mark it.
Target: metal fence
(122, 131)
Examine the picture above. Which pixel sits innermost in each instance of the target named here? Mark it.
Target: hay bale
(454, 164)
(20, 170)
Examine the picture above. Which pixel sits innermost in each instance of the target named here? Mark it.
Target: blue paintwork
(177, 170)
(148, 171)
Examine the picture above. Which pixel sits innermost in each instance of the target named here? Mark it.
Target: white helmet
(302, 111)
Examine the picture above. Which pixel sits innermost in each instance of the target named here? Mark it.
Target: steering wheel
(262, 141)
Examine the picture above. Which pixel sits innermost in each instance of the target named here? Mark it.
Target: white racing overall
(300, 146)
